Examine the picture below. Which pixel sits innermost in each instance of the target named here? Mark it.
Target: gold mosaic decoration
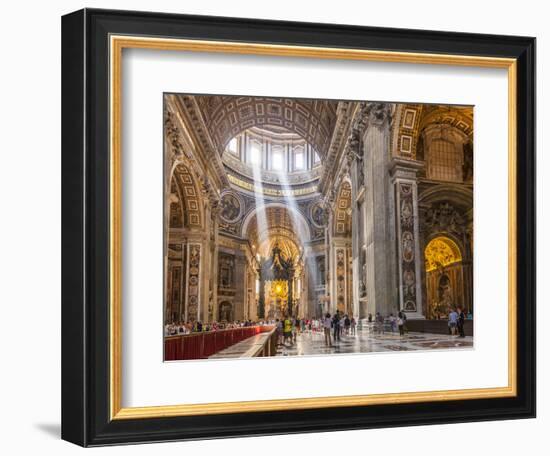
(441, 252)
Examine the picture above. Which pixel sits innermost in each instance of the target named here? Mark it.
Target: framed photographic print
(277, 227)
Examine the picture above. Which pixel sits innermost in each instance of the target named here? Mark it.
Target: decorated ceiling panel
(190, 194)
(342, 213)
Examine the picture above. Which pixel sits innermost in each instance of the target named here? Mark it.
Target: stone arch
(445, 277)
(460, 195)
(176, 216)
(441, 251)
(190, 196)
(299, 220)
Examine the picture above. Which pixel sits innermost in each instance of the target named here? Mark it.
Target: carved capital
(172, 135)
(379, 114)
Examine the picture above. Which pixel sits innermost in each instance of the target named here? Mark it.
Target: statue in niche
(321, 270)
(227, 266)
(445, 293)
(468, 161)
(230, 207)
(362, 288)
(210, 304)
(226, 311)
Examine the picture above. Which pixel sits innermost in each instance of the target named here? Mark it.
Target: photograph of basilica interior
(315, 227)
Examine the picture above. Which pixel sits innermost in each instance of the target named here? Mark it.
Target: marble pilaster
(409, 258)
(379, 202)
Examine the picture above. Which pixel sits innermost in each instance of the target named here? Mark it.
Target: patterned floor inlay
(365, 341)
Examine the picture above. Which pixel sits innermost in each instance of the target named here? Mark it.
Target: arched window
(316, 158)
(277, 158)
(444, 161)
(255, 153)
(232, 147)
(298, 158)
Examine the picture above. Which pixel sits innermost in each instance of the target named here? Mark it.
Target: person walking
(327, 323)
(353, 325)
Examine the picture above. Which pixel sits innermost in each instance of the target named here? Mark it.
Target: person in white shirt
(327, 323)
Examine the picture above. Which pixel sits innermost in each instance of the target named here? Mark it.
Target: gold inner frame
(117, 44)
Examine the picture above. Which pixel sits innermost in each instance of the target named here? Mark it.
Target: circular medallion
(317, 214)
(230, 208)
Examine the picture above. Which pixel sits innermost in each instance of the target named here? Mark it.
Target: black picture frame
(85, 228)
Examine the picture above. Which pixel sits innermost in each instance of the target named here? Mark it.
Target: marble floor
(366, 340)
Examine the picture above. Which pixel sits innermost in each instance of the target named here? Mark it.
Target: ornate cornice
(206, 151)
(345, 113)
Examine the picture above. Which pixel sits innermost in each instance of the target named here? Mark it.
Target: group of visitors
(395, 322)
(456, 322)
(337, 325)
(181, 328)
(288, 328)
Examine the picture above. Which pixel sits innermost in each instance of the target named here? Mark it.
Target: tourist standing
(347, 324)
(460, 322)
(295, 329)
(287, 330)
(379, 323)
(279, 332)
(453, 320)
(401, 324)
(353, 325)
(327, 323)
(403, 317)
(336, 325)
(393, 323)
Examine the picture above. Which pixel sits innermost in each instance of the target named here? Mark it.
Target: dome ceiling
(298, 162)
(227, 116)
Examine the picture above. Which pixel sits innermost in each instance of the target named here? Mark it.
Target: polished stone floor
(366, 340)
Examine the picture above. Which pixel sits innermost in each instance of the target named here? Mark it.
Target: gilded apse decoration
(441, 252)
